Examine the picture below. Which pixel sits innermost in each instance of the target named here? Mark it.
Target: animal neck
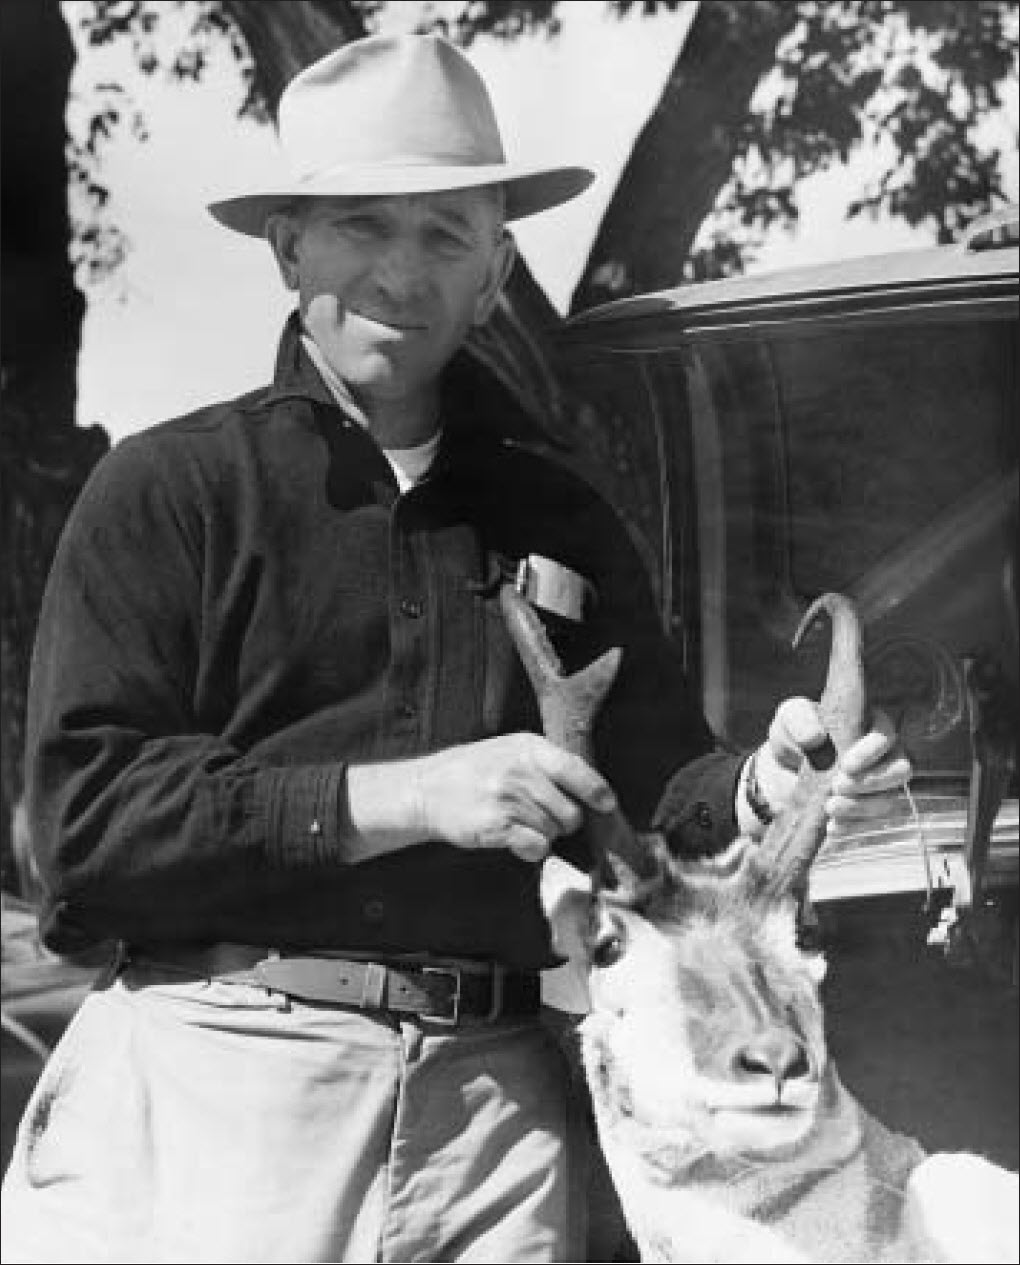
(746, 1181)
(836, 1194)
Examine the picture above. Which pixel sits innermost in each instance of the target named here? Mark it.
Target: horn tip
(831, 603)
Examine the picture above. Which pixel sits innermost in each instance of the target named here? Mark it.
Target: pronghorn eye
(608, 949)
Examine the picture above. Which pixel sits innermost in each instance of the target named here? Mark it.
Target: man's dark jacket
(242, 604)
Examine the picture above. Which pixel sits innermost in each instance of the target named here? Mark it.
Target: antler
(792, 841)
(568, 706)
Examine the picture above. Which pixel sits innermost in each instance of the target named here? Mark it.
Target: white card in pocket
(553, 587)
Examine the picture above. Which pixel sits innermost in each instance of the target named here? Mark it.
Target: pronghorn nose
(777, 1054)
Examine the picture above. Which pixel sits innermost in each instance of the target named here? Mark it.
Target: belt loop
(373, 986)
(496, 999)
(274, 995)
(120, 958)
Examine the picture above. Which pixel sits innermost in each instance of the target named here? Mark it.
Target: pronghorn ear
(637, 875)
(656, 843)
(566, 895)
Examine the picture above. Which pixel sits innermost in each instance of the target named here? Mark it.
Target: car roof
(914, 284)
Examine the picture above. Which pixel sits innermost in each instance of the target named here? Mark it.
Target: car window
(879, 460)
(885, 431)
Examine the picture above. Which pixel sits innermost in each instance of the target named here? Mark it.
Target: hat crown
(388, 100)
(394, 116)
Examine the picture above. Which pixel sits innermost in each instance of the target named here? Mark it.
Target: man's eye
(360, 226)
(444, 242)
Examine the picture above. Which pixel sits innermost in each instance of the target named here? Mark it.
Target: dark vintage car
(852, 426)
(845, 427)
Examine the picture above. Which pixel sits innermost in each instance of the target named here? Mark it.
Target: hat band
(401, 162)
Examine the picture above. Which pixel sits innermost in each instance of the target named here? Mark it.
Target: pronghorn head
(705, 1025)
(705, 1022)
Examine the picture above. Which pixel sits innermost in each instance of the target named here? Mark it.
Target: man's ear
(282, 233)
(500, 266)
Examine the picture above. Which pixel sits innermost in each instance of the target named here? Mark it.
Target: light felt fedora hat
(395, 115)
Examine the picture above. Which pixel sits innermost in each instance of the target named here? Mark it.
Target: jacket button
(373, 910)
(412, 608)
(703, 816)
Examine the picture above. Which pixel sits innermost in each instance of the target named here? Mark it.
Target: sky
(194, 312)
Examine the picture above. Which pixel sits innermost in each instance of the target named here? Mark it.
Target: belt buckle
(451, 972)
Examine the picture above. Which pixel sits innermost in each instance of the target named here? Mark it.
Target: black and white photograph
(509, 632)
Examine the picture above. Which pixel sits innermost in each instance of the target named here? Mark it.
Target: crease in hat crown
(395, 114)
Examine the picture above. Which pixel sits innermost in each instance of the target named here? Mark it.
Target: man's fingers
(872, 747)
(562, 814)
(578, 780)
(871, 771)
(889, 775)
(527, 844)
(796, 728)
(870, 764)
(859, 808)
(540, 807)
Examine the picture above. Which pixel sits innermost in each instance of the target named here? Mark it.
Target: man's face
(390, 286)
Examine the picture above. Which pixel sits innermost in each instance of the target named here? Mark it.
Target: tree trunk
(678, 166)
(41, 307)
(684, 154)
(44, 457)
(284, 36)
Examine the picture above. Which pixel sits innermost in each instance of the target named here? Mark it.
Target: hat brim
(527, 192)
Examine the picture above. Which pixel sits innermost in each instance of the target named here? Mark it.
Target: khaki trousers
(214, 1122)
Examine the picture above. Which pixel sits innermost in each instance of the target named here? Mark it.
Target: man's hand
(516, 791)
(870, 772)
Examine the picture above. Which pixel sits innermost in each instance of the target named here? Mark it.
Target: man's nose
(401, 270)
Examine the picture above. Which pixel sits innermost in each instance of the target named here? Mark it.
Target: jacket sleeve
(656, 747)
(140, 822)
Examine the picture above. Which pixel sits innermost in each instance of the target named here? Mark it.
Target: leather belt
(444, 991)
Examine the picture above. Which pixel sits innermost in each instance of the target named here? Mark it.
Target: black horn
(792, 841)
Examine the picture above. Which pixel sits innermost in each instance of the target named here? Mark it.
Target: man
(283, 755)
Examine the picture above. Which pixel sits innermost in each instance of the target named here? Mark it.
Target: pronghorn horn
(568, 706)
(792, 841)
(844, 700)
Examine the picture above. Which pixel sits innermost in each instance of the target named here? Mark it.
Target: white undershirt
(409, 464)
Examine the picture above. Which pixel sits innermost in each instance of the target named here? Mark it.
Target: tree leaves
(911, 83)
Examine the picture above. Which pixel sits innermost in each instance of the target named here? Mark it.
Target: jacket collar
(294, 376)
